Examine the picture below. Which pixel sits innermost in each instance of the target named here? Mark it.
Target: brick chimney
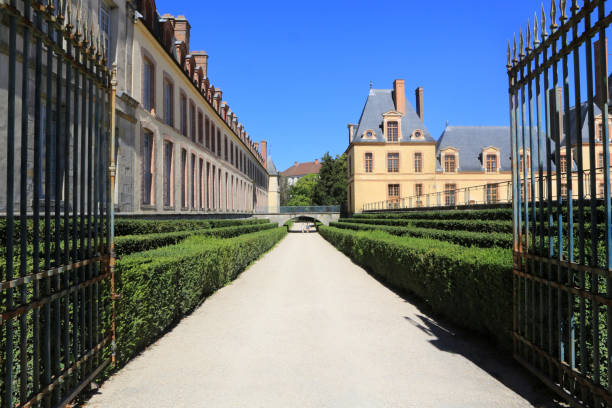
(599, 81)
(399, 94)
(351, 129)
(257, 147)
(181, 30)
(264, 153)
(201, 60)
(316, 161)
(419, 103)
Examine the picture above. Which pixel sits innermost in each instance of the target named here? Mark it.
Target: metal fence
(558, 94)
(57, 264)
(309, 209)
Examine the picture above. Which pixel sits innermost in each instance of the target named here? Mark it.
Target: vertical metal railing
(562, 290)
(57, 266)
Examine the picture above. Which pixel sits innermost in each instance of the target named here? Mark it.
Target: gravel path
(305, 327)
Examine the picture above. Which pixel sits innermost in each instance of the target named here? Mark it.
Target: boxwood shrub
(465, 238)
(470, 286)
(160, 286)
(128, 244)
(489, 214)
(482, 226)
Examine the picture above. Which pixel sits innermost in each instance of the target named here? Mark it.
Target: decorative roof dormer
(392, 126)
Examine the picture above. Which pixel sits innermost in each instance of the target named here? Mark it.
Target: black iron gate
(560, 135)
(57, 311)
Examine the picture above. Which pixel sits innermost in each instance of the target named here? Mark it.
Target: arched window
(392, 132)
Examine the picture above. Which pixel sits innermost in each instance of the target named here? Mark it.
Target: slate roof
(271, 167)
(470, 141)
(381, 101)
(302, 169)
(584, 124)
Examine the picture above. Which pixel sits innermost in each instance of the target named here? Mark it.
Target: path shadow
(480, 350)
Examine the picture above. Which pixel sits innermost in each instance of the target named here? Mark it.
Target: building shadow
(479, 349)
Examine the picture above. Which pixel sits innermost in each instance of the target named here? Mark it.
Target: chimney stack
(264, 152)
(316, 161)
(351, 129)
(201, 60)
(400, 95)
(257, 147)
(419, 103)
(599, 81)
(181, 30)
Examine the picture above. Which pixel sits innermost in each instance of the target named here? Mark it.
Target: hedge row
(490, 214)
(465, 238)
(449, 224)
(125, 226)
(471, 286)
(160, 286)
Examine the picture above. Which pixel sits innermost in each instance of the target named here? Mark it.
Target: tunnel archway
(302, 224)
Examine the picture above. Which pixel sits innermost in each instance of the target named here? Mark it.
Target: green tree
(301, 193)
(283, 190)
(331, 187)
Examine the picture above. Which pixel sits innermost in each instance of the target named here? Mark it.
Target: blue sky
(297, 72)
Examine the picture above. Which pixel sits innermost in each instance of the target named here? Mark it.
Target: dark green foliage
(465, 238)
(481, 226)
(160, 286)
(331, 188)
(470, 286)
(493, 214)
(124, 226)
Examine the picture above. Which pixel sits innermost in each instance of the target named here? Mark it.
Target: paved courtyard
(305, 327)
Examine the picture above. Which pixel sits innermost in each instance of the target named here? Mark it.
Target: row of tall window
(450, 162)
(197, 126)
(206, 178)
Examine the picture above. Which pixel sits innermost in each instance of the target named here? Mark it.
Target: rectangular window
(200, 128)
(201, 183)
(168, 103)
(563, 163)
(600, 160)
(193, 181)
(449, 194)
(168, 174)
(192, 121)
(450, 164)
(418, 162)
(225, 153)
(218, 142)
(563, 190)
(105, 27)
(231, 152)
(601, 190)
(147, 167)
(392, 133)
(183, 108)
(212, 137)
(148, 84)
(418, 192)
(207, 131)
(491, 193)
(393, 195)
(183, 178)
(368, 162)
(491, 163)
(393, 162)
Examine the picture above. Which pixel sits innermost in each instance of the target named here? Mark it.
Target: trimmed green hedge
(492, 214)
(465, 238)
(450, 224)
(159, 287)
(470, 286)
(124, 226)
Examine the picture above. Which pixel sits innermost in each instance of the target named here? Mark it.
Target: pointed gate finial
(562, 7)
(528, 38)
(543, 24)
(514, 50)
(521, 45)
(508, 54)
(553, 15)
(536, 29)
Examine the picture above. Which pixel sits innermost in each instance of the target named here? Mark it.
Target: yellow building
(393, 158)
(394, 162)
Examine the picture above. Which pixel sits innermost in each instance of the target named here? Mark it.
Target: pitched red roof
(302, 169)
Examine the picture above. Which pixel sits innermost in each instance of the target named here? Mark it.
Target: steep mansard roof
(471, 140)
(271, 167)
(381, 101)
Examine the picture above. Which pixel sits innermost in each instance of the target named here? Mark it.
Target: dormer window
(369, 134)
(392, 133)
(491, 163)
(450, 163)
(418, 135)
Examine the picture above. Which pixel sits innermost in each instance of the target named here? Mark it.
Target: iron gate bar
(61, 366)
(565, 292)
